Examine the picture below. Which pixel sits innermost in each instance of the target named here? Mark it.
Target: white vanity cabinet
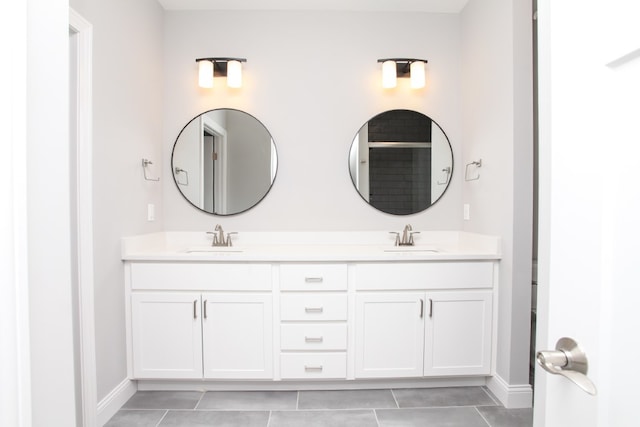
(237, 335)
(458, 333)
(389, 334)
(313, 321)
(324, 313)
(433, 326)
(166, 334)
(218, 327)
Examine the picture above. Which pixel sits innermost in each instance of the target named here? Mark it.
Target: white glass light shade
(418, 79)
(389, 74)
(205, 73)
(234, 74)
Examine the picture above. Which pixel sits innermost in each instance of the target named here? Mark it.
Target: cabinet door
(389, 334)
(166, 335)
(458, 333)
(237, 335)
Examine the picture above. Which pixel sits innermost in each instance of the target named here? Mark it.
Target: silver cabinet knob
(567, 360)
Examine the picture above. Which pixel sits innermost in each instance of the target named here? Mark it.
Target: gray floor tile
(249, 400)
(431, 417)
(216, 418)
(442, 397)
(497, 416)
(346, 399)
(164, 400)
(340, 418)
(136, 418)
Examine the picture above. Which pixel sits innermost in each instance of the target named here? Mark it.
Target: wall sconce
(231, 68)
(403, 67)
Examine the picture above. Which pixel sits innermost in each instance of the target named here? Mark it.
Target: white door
(389, 334)
(237, 332)
(167, 337)
(589, 76)
(458, 333)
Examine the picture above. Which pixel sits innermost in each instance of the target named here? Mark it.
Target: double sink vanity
(310, 309)
(302, 309)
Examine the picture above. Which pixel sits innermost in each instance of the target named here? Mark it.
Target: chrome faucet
(407, 236)
(218, 237)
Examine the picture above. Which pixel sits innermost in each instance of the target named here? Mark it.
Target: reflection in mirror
(401, 162)
(224, 161)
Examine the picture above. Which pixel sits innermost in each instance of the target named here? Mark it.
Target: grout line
(231, 410)
(491, 396)
(298, 400)
(485, 420)
(269, 419)
(335, 409)
(199, 400)
(394, 398)
(163, 417)
(375, 415)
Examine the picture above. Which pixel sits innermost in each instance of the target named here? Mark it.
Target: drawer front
(313, 365)
(313, 336)
(313, 306)
(430, 275)
(201, 276)
(321, 277)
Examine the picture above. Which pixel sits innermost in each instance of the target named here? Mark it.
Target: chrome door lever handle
(568, 360)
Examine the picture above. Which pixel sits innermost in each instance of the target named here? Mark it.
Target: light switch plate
(465, 214)
(151, 212)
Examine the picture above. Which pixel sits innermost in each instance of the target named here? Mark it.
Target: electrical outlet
(151, 212)
(465, 214)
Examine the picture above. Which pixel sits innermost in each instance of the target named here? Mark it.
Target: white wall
(187, 156)
(312, 79)
(127, 121)
(497, 122)
(248, 162)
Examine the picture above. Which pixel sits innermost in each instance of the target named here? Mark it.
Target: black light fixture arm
(220, 64)
(403, 65)
(221, 59)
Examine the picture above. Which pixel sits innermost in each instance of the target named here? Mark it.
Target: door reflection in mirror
(230, 158)
(401, 162)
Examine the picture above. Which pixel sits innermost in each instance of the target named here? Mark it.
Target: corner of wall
(511, 396)
(113, 401)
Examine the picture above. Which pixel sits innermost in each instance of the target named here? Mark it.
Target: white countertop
(310, 246)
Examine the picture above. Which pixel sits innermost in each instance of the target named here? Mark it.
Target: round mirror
(224, 161)
(401, 162)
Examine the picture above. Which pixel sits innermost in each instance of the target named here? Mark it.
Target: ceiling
(433, 6)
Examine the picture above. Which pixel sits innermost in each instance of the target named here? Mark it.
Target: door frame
(82, 31)
(15, 345)
(221, 178)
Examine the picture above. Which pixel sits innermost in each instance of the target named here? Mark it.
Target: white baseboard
(310, 385)
(112, 402)
(511, 396)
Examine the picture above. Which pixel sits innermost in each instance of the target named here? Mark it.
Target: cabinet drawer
(313, 336)
(428, 275)
(313, 306)
(201, 276)
(313, 365)
(323, 277)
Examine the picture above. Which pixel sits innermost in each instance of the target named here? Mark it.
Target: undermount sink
(213, 249)
(412, 249)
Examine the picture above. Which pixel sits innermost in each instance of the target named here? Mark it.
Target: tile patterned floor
(435, 407)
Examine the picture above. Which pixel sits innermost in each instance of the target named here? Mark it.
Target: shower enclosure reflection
(401, 162)
(224, 161)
